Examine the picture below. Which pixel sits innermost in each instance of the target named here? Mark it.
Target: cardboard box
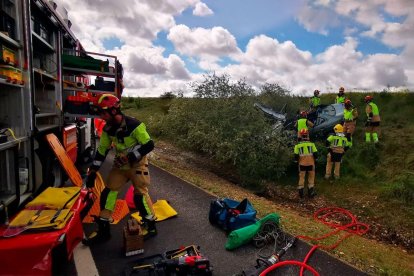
(133, 238)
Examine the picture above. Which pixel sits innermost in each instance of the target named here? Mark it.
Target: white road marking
(85, 265)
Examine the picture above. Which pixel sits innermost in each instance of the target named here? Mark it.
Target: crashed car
(278, 118)
(324, 119)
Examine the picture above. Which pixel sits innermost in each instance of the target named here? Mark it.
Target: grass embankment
(377, 183)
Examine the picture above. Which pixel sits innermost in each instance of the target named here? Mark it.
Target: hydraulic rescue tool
(262, 264)
(184, 261)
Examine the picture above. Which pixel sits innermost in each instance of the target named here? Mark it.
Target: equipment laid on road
(230, 214)
(133, 238)
(262, 264)
(244, 235)
(183, 261)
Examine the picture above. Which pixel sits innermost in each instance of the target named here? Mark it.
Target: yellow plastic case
(7, 55)
(11, 73)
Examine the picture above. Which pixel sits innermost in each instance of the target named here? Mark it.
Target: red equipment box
(31, 253)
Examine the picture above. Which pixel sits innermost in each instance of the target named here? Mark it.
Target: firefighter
(315, 101)
(350, 117)
(373, 120)
(340, 98)
(132, 143)
(337, 145)
(306, 154)
(303, 122)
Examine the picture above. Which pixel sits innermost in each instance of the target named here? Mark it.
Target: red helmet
(316, 92)
(348, 102)
(303, 133)
(108, 101)
(303, 114)
(368, 98)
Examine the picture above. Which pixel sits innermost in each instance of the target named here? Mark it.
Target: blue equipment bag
(230, 215)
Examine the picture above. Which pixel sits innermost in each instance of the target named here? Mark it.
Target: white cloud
(201, 9)
(263, 51)
(176, 68)
(317, 17)
(267, 60)
(213, 42)
(151, 70)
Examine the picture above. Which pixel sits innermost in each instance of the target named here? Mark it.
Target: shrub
(168, 95)
(222, 122)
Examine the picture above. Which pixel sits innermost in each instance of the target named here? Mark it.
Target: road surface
(191, 226)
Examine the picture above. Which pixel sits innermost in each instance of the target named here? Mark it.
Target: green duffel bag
(244, 235)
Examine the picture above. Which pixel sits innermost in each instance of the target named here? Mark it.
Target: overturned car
(325, 117)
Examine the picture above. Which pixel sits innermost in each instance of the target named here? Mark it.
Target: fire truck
(48, 84)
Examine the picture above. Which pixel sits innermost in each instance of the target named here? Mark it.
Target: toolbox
(11, 74)
(133, 238)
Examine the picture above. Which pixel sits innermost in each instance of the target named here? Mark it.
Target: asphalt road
(191, 226)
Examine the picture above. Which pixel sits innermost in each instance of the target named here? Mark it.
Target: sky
(302, 45)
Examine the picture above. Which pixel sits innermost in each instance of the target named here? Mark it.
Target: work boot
(148, 227)
(311, 192)
(300, 193)
(101, 235)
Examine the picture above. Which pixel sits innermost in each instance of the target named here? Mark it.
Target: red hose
(323, 215)
(284, 263)
(353, 227)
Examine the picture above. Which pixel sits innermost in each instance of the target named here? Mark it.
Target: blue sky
(165, 45)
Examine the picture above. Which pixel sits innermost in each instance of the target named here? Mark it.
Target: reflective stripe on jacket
(305, 150)
(337, 143)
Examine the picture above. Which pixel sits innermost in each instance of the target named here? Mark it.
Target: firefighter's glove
(134, 156)
(90, 180)
(120, 161)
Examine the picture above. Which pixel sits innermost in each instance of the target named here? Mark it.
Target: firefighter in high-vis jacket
(315, 101)
(303, 122)
(305, 154)
(350, 117)
(337, 145)
(373, 120)
(132, 143)
(340, 98)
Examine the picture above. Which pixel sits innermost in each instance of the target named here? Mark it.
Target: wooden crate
(133, 238)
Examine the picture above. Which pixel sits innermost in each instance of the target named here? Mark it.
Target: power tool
(262, 264)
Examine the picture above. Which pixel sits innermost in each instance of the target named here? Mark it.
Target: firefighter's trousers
(139, 175)
(310, 170)
(336, 162)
